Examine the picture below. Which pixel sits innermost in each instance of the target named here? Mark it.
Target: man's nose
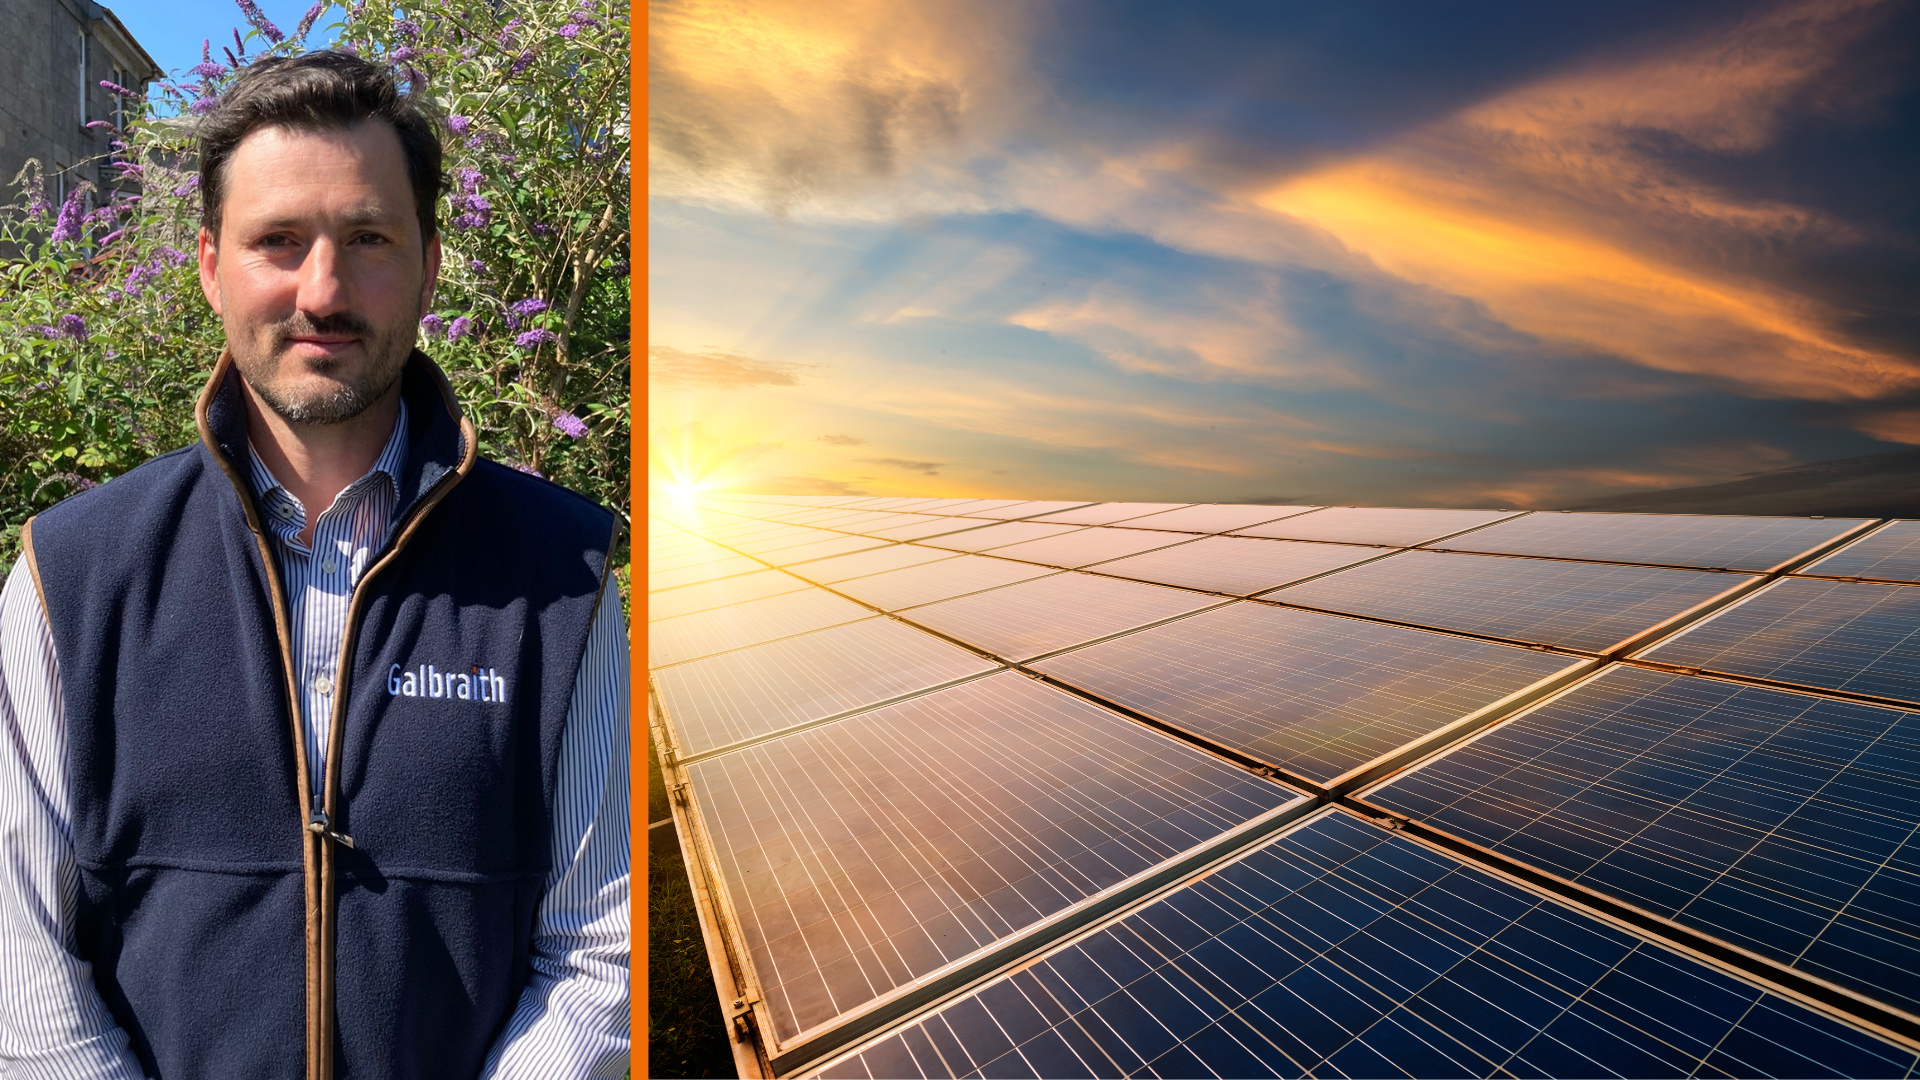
(323, 283)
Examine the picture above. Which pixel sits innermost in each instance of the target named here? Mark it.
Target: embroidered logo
(476, 684)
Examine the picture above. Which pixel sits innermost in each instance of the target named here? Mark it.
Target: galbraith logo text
(479, 684)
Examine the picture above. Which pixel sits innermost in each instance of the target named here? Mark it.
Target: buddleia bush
(105, 339)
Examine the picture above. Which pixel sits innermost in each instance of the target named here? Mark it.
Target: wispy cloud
(924, 468)
(715, 369)
(842, 440)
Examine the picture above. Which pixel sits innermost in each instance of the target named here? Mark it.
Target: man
(313, 734)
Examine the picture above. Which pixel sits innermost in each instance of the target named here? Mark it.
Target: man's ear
(431, 279)
(209, 263)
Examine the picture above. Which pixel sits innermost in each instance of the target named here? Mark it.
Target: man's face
(319, 274)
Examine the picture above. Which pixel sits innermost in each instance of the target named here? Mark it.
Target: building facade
(53, 56)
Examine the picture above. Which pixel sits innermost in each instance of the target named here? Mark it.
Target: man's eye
(276, 240)
(369, 238)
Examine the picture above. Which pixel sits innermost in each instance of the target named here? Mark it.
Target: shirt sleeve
(572, 1021)
(53, 1025)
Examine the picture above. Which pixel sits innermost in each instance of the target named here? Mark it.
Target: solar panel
(752, 692)
(860, 855)
(889, 521)
(1022, 509)
(1732, 543)
(920, 530)
(705, 571)
(1237, 565)
(1089, 546)
(862, 563)
(1574, 605)
(993, 536)
(1374, 525)
(822, 549)
(1339, 949)
(712, 594)
(924, 584)
(793, 540)
(1106, 513)
(1036, 617)
(1216, 517)
(1315, 694)
(1889, 554)
(928, 506)
(1838, 635)
(968, 506)
(1784, 823)
(688, 637)
(678, 560)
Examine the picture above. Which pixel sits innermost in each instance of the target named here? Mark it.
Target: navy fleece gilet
(187, 825)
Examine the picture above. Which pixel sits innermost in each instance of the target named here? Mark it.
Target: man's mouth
(322, 345)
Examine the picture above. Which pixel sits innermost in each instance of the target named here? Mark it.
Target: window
(84, 115)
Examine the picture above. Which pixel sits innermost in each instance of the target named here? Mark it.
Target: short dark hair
(318, 91)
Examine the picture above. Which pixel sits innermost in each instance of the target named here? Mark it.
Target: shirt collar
(272, 494)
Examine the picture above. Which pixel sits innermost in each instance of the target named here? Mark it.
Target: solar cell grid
(1106, 513)
(709, 553)
(968, 506)
(1315, 694)
(688, 637)
(889, 521)
(1573, 605)
(1733, 543)
(1836, 635)
(713, 594)
(782, 542)
(1089, 546)
(823, 549)
(1023, 509)
(868, 852)
(927, 583)
(993, 536)
(753, 692)
(1215, 517)
(845, 520)
(920, 530)
(1890, 554)
(704, 571)
(1391, 527)
(1781, 822)
(1341, 950)
(1035, 617)
(1237, 565)
(928, 506)
(862, 563)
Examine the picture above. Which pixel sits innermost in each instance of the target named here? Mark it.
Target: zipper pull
(319, 824)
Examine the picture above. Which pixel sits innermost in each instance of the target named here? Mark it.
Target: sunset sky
(1417, 254)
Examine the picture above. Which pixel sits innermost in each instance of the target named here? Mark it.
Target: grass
(686, 1032)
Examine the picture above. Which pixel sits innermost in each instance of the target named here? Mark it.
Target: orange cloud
(1545, 206)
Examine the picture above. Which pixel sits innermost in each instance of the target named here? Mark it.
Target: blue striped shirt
(572, 1019)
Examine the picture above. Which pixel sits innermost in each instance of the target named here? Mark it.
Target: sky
(1399, 254)
(171, 30)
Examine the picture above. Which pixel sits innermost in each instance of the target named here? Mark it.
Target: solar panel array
(1050, 788)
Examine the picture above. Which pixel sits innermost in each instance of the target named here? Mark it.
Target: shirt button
(329, 566)
(323, 685)
(284, 510)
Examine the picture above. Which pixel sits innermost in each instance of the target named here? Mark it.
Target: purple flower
(98, 124)
(46, 332)
(459, 328)
(569, 31)
(570, 425)
(260, 22)
(72, 326)
(506, 37)
(463, 222)
(432, 325)
(207, 69)
(476, 266)
(407, 28)
(404, 53)
(520, 63)
(307, 20)
(533, 339)
(201, 105)
(530, 306)
(231, 61)
(529, 471)
(116, 88)
(468, 179)
(458, 124)
(541, 228)
(66, 228)
(621, 269)
(112, 236)
(173, 256)
(238, 44)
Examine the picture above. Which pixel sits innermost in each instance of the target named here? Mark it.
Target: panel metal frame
(1825, 547)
